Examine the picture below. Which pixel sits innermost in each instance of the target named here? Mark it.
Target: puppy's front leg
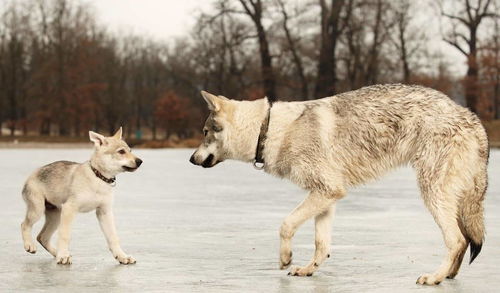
(107, 223)
(68, 213)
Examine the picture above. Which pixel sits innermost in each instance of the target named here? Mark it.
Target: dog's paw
(301, 272)
(428, 279)
(285, 260)
(30, 247)
(63, 259)
(125, 260)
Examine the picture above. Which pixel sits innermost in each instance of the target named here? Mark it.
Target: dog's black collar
(258, 162)
(98, 174)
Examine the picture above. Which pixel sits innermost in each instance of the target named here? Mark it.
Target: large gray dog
(328, 145)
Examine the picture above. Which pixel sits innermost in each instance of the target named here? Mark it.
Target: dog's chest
(89, 201)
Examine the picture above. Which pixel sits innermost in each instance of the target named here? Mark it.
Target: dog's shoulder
(54, 170)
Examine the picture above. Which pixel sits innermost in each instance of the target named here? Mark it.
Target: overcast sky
(160, 19)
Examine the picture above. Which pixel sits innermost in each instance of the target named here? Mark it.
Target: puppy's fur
(328, 145)
(63, 189)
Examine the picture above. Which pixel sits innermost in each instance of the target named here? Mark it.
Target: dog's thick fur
(328, 145)
(62, 189)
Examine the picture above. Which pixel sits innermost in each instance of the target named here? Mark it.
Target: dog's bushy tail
(471, 214)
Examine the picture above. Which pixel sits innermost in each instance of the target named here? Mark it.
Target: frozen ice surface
(216, 230)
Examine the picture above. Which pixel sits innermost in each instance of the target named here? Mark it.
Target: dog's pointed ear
(214, 102)
(96, 138)
(118, 134)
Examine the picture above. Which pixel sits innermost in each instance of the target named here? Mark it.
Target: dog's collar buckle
(258, 165)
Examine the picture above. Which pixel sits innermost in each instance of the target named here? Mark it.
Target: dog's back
(50, 182)
(380, 127)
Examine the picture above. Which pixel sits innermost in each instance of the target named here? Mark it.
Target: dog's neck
(98, 165)
(248, 117)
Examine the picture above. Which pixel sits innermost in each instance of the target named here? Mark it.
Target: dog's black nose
(138, 162)
(192, 160)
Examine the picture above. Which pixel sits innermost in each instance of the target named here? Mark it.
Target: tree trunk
(327, 75)
(153, 130)
(296, 58)
(268, 78)
(371, 75)
(266, 63)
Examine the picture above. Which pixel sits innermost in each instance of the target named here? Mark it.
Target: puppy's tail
(471, 215)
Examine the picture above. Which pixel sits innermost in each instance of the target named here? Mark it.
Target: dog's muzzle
(207, 163)
(138, 163)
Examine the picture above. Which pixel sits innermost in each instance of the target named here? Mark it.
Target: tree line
(62, 73)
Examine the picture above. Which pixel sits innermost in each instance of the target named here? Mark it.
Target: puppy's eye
(121, 152)
(205, 132)
(217, 128)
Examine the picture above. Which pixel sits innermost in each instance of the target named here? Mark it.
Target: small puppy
(62, 189)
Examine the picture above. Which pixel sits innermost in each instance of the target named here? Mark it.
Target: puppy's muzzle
(138, 162)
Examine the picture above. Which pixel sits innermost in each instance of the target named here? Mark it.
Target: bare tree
(292, 47)
(330, 33)
(496, 43)
(464, 37)
(406, 39)
(254, 9)
(13, 75)
(380, 30)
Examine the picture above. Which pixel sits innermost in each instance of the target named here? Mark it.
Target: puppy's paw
(30, 247)
(285, 260)
(125, 259)
(301, 272)
(428, 279)
(63, 259)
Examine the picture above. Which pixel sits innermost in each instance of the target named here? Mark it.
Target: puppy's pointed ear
(214, 102)
(96, 138)
(118, 134)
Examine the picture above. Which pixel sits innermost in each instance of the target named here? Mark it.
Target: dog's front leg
(315, 204)
(68, 213)
(323, 227)
(107, 223)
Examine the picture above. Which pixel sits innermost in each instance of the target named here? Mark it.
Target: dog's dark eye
(121, 152)
(217, 128)
(205, 132)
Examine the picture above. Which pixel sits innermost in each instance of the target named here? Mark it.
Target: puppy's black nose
(138, 162)
(192, 160)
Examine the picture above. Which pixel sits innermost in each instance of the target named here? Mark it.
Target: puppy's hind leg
(52, 219)
(34, 210)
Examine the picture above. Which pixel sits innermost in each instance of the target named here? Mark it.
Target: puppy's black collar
(111, 181)
(258, 162)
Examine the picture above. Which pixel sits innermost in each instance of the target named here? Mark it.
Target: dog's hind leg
(68, 213)
(457, 262)
(315, 204)
(52, 219)
(323, 227)
(439, 183)
(454, 240)
(34, 210)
